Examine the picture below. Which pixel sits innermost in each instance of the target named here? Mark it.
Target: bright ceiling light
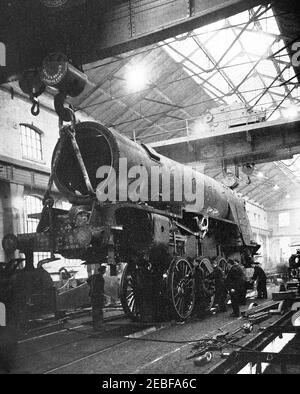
(276, 187)
(291, 112)
(136, 78)
(287, 196)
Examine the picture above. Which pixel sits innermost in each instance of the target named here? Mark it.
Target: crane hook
(35, 109)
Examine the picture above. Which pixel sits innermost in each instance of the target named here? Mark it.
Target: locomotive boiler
(130, 205)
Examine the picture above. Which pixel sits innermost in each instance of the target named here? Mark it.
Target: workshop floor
(122, 347)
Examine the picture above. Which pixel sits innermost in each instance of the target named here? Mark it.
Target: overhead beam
(258, 143)
(147, 24)
(162, 140)
(88, 31)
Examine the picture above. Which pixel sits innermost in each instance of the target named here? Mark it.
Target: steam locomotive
(130, 205)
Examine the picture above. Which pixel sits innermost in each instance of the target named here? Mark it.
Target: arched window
(31, 142)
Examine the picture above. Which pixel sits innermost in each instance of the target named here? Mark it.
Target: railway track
(77, 349)
(81, 338)
(71, 330)
(96, 353)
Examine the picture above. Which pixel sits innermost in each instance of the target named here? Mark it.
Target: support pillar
(12, 196)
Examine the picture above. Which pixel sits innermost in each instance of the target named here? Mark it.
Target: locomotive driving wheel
(129, 293)
(206, 292)
(181, 288)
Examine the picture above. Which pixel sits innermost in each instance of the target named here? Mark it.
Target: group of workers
(235, 284)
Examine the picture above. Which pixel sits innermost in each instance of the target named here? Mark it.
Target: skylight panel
(234, 63)
(256, 43)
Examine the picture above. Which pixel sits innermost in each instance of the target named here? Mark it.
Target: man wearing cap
(221, 291)
(234, 284)
(261, 278)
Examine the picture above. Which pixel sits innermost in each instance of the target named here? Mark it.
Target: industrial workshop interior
(149, 190)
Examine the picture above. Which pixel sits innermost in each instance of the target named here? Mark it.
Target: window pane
(31, 143)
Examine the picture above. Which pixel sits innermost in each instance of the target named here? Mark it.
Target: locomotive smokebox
(97, 148)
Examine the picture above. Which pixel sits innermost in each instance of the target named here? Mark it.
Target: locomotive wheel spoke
(189, 282)
(131, 303)
(129, 293)
(180, 306)
(130, 297)
(178, 302)
(181, 288)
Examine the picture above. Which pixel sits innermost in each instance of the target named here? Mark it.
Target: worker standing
(261, 278)
(221, 291)
(243, 291)
(234, 284)
(96, 283)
